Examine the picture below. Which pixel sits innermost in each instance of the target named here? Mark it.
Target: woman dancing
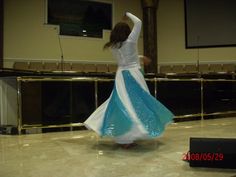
(131, 112)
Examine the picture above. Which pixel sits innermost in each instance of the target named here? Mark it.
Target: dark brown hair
(118, 35)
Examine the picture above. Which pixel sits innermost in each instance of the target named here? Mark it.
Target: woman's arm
(137, 27)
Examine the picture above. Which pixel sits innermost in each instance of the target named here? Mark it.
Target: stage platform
(84, 154)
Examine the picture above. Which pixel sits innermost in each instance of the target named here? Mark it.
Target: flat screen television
(80, 17)
(210, 23)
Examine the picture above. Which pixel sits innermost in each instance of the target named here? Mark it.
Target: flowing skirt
(131, 112)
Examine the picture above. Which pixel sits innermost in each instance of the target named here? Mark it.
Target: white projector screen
(210, 23)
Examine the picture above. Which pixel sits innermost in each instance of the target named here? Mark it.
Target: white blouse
(127, 55)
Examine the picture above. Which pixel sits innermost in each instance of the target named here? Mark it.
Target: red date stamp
(203, 156)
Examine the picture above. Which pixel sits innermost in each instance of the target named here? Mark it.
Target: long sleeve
(137, 27)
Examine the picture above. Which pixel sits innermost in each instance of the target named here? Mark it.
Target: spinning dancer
(131, 112)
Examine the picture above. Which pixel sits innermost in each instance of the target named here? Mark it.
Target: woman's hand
(146, 60)
(125, 17)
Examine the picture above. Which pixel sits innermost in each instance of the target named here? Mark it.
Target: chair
(21, 65)
(204, 68)
(191, 68)
(102, 68)
(228, 68)
(36, 66)
(79, 67)
(89, 68)
(215, 68)
(112, 68)
(66, 67)
(178, 69)
(166, 69)
(50, 66)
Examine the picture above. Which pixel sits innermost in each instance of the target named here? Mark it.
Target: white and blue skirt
(131, 112)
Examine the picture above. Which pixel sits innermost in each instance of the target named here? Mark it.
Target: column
(150, 33)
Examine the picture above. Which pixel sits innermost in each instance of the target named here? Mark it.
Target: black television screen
(210, 23)
(80, 17)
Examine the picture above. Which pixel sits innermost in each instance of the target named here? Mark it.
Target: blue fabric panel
(117, 121)
(153, 114)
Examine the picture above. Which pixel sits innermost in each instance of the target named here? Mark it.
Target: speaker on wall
(212, 152)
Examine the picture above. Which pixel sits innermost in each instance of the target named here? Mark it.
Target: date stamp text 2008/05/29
(203, 156)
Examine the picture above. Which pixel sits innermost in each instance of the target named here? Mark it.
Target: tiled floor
(84, 154)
